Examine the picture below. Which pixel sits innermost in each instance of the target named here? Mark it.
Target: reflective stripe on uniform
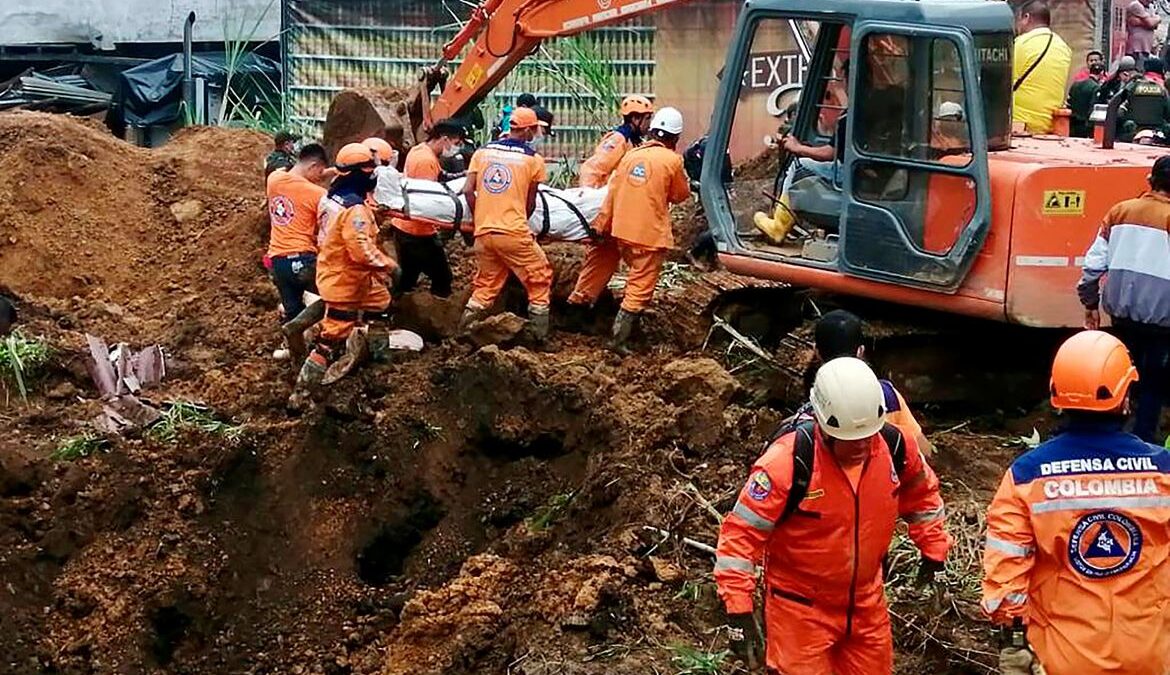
(992, 604)
(924, 516)
(1101, 503)
(752, 518)
(1008, 547)
(723, 562)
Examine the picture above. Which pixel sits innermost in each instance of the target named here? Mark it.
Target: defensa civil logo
(1104, 544)
(497, 178)
(282, 210)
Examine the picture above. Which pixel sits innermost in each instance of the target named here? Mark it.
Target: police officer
(1147, 107)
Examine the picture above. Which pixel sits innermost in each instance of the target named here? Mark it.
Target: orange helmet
(354, 156)
(636, 105)
(381, 148)
(1092, 371)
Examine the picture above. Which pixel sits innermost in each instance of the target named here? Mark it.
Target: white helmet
(668, 120)
(848, 399)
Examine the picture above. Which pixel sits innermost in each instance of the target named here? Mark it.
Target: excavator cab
(911, 96)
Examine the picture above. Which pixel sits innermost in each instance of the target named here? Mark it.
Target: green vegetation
(252, 102)
(184, 415)
(22, 360)
(551, 512)
(693, 661)
(77, 447)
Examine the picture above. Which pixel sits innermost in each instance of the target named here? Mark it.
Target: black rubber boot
(623, 327)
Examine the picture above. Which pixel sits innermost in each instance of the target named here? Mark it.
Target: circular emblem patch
(759, 486)
(638, 174)
(1104, 544)
(497, 178)
(281, 209)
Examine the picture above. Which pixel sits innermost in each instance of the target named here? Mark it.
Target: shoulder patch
(759, 485)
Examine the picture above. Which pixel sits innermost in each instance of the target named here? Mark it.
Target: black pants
(423, 255)
(293, 275)
(1150, 348)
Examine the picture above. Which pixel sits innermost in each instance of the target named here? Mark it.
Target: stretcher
(560, 215)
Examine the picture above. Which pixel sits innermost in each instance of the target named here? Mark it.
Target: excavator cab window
(916, 190)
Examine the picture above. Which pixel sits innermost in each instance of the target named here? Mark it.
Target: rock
(689, 378)
(666, 571)
(494, 330)
(187, 210)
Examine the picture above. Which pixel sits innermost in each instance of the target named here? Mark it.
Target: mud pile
(455, 511)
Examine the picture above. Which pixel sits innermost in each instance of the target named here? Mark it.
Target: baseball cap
(949, 110)
(448, 127)
(1161, 170)
(544, 115)
(522, 118)
(1126, 63)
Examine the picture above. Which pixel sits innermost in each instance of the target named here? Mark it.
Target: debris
(187, 210)
(119, 375)
(60, 89)
(497, 329)
(666, 571)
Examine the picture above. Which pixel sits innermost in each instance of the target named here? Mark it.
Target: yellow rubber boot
(779, 225)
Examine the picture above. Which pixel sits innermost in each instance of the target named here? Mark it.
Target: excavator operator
(636, 113)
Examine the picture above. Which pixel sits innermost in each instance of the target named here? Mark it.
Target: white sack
(561, 215)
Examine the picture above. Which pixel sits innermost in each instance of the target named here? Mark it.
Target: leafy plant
(691, 591)
(266, 113)
(182, 415)
(551, 512)
(77, 447)
(693, 661)
(22, 359)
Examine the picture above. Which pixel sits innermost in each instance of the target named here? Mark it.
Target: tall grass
(22, 359)
(255, 102)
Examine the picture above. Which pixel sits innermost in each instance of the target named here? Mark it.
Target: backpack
(803, 455)
(693, 161)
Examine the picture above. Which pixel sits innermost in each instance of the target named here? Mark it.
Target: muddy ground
(455, 511)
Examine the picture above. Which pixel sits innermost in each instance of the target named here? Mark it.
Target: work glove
(394, 280)
(746, 641)
(468, 238)
(928, 571)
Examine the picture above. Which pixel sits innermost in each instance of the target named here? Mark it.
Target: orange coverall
(1077, 542)
(596, 170)
(825, 607)
(352, 272)
(502, 173)
(636, 218)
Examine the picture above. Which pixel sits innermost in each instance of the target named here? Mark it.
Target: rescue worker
(1079, 531)
(1129, 253)
(353, 274)
(293, 197)
(384, 153)
(636, 112)
(1040, 65)
(819, 509)
(284, 152)
(501, 194)
(635, 223)
(841, 333)
(420, 251)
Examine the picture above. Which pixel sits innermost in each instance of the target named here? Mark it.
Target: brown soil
(454, 511)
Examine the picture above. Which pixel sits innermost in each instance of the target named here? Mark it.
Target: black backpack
(803, 455)
(693, 161)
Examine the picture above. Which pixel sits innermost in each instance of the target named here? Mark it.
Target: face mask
(451, 151)
(538, 141)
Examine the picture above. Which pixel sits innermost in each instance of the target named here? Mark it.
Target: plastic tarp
(561, 215)
(152, 92)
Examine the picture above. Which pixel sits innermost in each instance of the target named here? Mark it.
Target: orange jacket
(829, 552)
(292, 212)
(421, 163)
(350, 261)
(1078, 537)
(637, 207)
(596, 170)
(501, 173)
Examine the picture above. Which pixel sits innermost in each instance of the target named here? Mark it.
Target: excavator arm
(507, 31)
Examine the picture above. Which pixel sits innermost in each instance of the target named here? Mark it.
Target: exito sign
(781, 73)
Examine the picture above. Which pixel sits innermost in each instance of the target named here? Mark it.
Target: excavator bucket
(399, 115)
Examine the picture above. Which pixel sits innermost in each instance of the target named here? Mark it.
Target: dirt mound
(355, 115)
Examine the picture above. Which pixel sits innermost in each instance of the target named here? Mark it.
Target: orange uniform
(1078, 537)
(596, 170)
(421, 163)
(352, 272)
(636, 217)
(825, 608)
(292, 210)
(503, 173)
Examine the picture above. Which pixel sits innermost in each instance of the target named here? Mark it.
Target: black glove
(468, 238)
(394, 281)
(746, 641)
(928, 570)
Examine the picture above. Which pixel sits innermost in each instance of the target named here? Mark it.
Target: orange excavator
(931, 202)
